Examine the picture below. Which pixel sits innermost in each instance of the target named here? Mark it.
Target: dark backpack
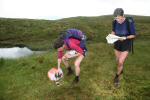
(129, 20)
(77, 34)
(74, 33)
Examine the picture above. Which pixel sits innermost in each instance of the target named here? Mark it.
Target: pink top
(74, 44)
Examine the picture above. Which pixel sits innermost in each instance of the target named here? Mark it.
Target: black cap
(118, 12)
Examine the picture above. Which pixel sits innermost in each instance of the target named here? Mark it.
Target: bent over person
(74, 42)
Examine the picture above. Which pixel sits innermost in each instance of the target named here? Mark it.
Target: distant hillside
(39, 34)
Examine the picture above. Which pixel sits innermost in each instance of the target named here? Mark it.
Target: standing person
(73, 41)
(123, 27)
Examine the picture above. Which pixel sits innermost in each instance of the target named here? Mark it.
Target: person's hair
(59, 41)
(118, 12)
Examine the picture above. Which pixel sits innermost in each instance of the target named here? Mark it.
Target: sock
(77, 78)
(117, 75)
(69, 69)
(121, 72)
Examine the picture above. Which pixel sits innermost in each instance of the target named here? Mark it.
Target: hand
(123, 38)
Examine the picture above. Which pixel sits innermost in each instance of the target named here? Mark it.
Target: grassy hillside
(39, 34)
(30, 32)
(26, 78)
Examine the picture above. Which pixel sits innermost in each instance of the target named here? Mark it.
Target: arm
(130, 37)
(60, 55)
(59, 62)
(127, 37)
(113, 32)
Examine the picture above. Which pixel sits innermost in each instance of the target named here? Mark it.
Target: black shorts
(125, 45)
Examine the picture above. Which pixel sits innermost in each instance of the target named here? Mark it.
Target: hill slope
(39, 34)
(26, 78)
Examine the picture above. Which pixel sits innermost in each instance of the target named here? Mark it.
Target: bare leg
(120, 57)
(77, 64)
(65, 61)
(117, 54)
(121, 61)
(77, 67)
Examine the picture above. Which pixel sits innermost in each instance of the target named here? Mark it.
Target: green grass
(26, 78)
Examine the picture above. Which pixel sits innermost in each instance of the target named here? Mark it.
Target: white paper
(113, 38)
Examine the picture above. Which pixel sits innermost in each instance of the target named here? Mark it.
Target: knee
(120, 62)
(77, 64)
(78, 61)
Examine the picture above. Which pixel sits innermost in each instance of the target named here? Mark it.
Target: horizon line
(53, 18)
